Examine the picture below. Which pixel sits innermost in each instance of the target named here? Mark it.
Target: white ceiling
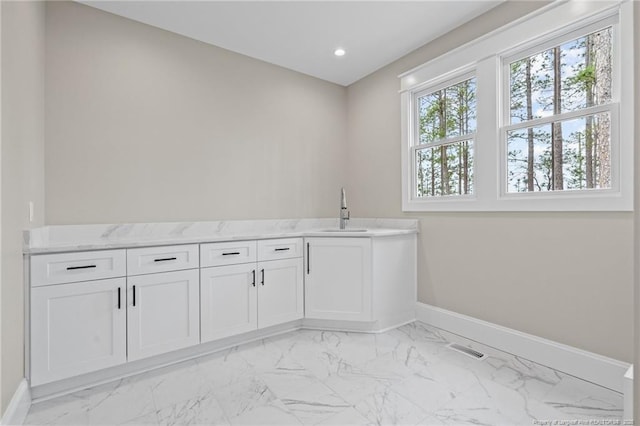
(302, 35)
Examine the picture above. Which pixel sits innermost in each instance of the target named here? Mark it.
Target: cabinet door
(77, 328)
(228, 302)
(338, 279)
(163, 313)
(280, 292)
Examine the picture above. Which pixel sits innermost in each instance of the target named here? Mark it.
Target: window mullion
(447, 141)
(560, 117)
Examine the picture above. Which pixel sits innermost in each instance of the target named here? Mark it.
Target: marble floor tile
(404, 376)
(201, 410)
(243, 394)
(579, 399)
(274, 413)
(387, 407)
(349, 416)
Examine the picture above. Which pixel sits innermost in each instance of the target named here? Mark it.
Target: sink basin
(344, 230)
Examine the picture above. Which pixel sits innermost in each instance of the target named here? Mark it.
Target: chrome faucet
(344, 213)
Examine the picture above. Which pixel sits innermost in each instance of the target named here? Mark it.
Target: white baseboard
(16, 412)
(589, 366)
(628, 396)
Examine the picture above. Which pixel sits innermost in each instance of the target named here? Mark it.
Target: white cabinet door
(228, 302)
(77, 328)
(338, 279)
(280, 292)
(163, 312)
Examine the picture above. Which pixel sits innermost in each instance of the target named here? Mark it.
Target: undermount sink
(344, 230)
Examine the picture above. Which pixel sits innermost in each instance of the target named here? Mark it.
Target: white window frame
(487, 57)
(416, 146)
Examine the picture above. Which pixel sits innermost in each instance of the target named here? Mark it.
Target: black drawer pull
(231, 253)
(262, 280)
(119, 307)
(283, 249)
(71, 268)
(254, 277)
(134, 295)
(165, 259)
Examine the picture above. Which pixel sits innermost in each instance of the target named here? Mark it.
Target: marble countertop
(65, 238)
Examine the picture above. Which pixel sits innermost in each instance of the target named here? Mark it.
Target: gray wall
(145, 125)
(22, 171)
(563, 276)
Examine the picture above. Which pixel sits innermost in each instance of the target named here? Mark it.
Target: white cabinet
(281, 292)
(338, 280)
(228, 300)
(81, 327)
(163, 312)
(59, 268)
(77, 328)
(236, 298)
(150, 260)
(285, 248)
(99, 309)
(231, 253)
(366, 284)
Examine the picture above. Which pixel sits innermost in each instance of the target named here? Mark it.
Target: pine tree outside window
(446, 124)
(535, 116)
(559, 128)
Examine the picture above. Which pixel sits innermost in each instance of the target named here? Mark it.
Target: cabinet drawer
(284, 248)
(232, 253)
(61, 268)
(162, 259)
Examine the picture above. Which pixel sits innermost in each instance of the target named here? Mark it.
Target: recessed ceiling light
(339, 52)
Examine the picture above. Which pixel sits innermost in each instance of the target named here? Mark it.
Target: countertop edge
(139, 243)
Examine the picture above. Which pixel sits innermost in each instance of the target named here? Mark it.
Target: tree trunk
(433, 173)
(602, 53)
(556, 130)
(444, 168)
(465, 166)
(588, 137)
(530, 152)
(420, 183)
(461, 131)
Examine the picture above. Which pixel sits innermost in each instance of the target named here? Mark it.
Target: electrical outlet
(30, 211)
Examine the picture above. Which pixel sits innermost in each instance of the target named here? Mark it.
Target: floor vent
(467, 351)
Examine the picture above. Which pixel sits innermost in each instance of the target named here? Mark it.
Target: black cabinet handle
(308, 258)
(232, 253)
(254, 278)
(119, 307)
(134, 295)
(165, 259)
(282, 249)
(71, 268)
(262, 281)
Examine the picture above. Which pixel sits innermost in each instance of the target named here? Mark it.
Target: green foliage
(446, 169)
(532, 96)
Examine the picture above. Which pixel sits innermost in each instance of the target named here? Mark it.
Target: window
(560, 112)
(443, 155)
(535, 116)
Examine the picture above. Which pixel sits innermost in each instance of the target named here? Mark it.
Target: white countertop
(65, 238)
